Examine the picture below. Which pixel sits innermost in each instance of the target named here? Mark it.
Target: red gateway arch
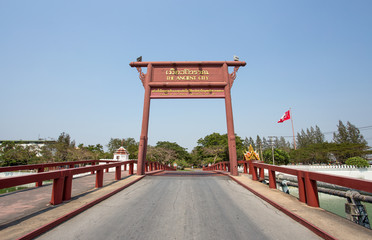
(187, 80)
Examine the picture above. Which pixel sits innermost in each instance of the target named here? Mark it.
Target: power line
(331, 132)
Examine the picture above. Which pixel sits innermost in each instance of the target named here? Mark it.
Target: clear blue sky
(64, 67)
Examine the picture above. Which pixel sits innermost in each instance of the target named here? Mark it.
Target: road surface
(182, 207)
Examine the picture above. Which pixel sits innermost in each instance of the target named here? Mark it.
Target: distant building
(36, 144)
(121, 154)
(25, 143)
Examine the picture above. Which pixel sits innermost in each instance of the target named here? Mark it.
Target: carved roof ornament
(251, 154)
(233, 75)
(142, 76)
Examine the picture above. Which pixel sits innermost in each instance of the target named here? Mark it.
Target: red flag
(286, 116)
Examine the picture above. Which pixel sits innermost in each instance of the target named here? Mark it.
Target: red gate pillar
(145, 124)
(230, 124)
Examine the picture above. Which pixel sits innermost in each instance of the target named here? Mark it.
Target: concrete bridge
(165, 204)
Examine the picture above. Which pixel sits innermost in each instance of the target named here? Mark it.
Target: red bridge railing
(62, 178)
(307, 181)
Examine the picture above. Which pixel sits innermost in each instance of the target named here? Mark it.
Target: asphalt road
(182, 207)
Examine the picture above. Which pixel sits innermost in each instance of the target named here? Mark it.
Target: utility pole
(272, 147)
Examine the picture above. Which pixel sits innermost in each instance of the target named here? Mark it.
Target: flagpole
(294, 140)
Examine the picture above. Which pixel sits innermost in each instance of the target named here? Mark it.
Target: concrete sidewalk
(324, 223)
(24, 211)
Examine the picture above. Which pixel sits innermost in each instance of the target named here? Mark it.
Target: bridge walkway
(177, 205)
(35, 216)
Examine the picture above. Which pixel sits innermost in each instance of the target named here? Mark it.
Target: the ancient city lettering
(187, 78)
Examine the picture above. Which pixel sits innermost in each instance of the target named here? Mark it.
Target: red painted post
(151, 166)
(312, 198)
(57, 191)
(250, 167)
(118, 173)
(39, 183)
(301, 187)
(272, 179)
(254, 173)
(67, 189)
(245, 168)
(99, 178)
(262, 173)
(93, 163)
(230, 123)
(125, 167)
(71, 166)
(131, 168)
(145, 122)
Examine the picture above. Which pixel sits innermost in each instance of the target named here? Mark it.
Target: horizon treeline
(312, 148)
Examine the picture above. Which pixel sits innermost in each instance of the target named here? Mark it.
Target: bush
(357, 162)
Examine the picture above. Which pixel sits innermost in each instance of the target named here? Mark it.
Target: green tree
(280, 157)
(160, 154)
(341, 136)
(12, 154)
(311, 136)
(315, 153)
(214, 148)
(354, 135)
(348, 142)
(318, 135)
(258, 142)
(265, 144)
(91, 152)
(63, 148)
(181, 153)
(348, 134)
(247, 142)
(283, 144)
